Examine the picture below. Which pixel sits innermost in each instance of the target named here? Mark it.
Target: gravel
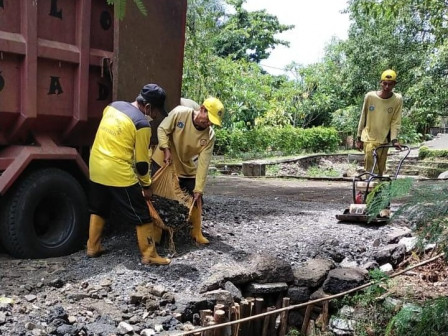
(290, 219)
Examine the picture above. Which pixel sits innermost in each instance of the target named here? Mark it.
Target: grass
(316, 171)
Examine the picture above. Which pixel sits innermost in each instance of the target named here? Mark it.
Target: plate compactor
(363, 184)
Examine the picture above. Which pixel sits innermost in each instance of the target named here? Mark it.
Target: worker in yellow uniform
(119, 170)
(380, 122)
(186, 139)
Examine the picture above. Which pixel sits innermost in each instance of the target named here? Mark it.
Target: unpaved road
(291, 219)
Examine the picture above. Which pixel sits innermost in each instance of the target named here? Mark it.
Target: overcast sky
(316, 22)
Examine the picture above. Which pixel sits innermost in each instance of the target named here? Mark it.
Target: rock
(30, 298)
(346, 312)
(167, 298)
(313, 273)
(219, 296)
(409, 242)
(267, 288)
(370, 265)
(2, 318)
(234, 291)
(396, 234)
(271, 269)
(158, 328)
(392, 303)
(234, 272)
(443, 175)
(56, 283)
(342, 279)
(392, 254)
(348, 263)
(148, 332)
(295, 319)
(124, 328)
(152, 305)
(298, 294)
(158, 290)
(342, 327)
(387, 268)
(66, 329)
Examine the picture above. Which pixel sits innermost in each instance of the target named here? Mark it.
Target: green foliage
(375, 315)
(248, 35)
(120, 7)
(427, 207)
(315, 171)
(294, 332)
(274, 140)
(380, 197)
(424, 152)
(346, 119)
(408, 133)
(429, 320)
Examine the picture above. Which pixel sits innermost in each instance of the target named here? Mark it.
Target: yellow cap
(389, 75)
(215, 110)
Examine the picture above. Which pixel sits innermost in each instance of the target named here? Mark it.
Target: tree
(248, 35)
(120, 7)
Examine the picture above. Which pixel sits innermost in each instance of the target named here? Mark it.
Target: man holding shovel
(186, 140)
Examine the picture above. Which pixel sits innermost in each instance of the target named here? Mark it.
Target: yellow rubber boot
(157, 234)
(94, 248)
(196, 222)
(146, 242)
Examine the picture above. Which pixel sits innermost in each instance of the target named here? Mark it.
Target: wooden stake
(236, 327)
(250, 324)
(209, 332)
(306, 319)
(266, 322)
(219, 306)
(258, 323)
(325, 316)
(272, 322)
(311, 329)
(220, 317)
(203, 315)
(245, 312)
(284, 318)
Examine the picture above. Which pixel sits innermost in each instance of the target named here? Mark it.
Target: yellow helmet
(215, 110)
(389, 75)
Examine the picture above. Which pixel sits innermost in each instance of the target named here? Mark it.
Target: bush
(270, 141)
(424, 152)
(429, 320)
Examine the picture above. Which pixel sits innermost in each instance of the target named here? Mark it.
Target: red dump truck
(61, 63)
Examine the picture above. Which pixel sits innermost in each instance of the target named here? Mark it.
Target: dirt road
(291, 219)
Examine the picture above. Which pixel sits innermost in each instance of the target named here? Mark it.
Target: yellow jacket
(121, 144)
(380, 120)
(187, 144)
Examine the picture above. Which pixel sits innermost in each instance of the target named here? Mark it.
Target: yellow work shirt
(379, 117)
(121, 143)
(178, 133)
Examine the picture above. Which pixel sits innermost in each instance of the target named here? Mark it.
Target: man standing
(186, 139)
(380, 122)
(119, 170)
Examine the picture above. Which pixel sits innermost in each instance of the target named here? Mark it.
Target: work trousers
(380, 166)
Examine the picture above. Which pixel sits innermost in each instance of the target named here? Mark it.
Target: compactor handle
(404, 148)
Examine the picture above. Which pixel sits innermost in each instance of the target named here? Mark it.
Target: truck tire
(45, 215)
